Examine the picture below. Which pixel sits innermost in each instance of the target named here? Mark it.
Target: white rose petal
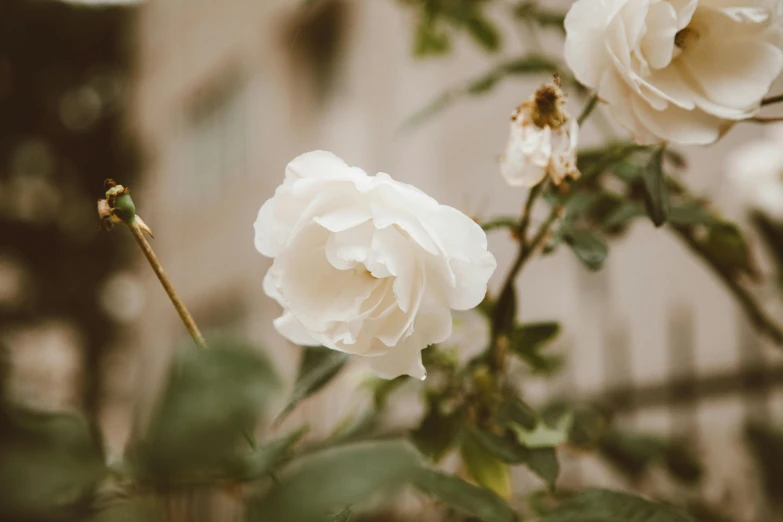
(676, 70)
(367, 265)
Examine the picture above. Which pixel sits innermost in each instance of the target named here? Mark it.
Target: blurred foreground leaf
(213, 398)
(264, 459)
(601, 505)
(484, 467)
(541, 461)
(319, 366)
(49, 464)
(464, 497)
(437, 432)
(316, 486)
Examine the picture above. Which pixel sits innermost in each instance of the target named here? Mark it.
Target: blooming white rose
(756, 173)
(675, 70)
(367, 265)
(542, 141)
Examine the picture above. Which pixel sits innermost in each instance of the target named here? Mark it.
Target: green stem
(190, 324)
(753, 311)
(591, 105)
(525, 249)
(771, 100)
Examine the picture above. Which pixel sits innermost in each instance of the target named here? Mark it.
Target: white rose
(542, 141)
(367, 265)
(756, 173)
(675, 70)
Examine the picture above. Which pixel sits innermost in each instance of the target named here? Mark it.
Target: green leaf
(544, 436)
(356, 427)
(726, 244)
(517, 413)
(383, 388)
(212, 399)
(530, 64)
(429, 39)
(483, 32)
(532, 336)
(318, 367)
(264, 459)
(690, 214)
(542, 461)
(484, 467)
(464, 497)
(483, 84)
(632, 453)
(311, 487)
(589, 427)
(656, 192)
(622, 215)
(682, 463)
(437, 432)
(588, 247)
(544, 18)
(629, 170)
(343, 516)
(601, 505)
(505, 448)
(580, 202)
(528, 339)
(50, 464)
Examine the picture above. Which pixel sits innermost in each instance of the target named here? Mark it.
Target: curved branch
(772, 100)
(763, 323)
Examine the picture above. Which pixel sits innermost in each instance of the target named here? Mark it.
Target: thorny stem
(771, 100)
(527, 212)
(757, 316)
(766, 119)
(753, 310)
(526, 249)
(190, 324)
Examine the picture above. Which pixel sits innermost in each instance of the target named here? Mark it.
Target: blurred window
(215, 138)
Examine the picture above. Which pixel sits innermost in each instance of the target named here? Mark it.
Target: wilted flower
(542, 140)
(676, 70)
(756, 172)
(367, 265)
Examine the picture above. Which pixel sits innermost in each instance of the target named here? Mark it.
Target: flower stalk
(118, 207)
(772, 100)
(179, 305)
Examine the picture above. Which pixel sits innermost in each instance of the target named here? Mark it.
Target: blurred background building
(217, 97)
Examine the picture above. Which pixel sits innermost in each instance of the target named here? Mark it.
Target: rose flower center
(686, 37)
